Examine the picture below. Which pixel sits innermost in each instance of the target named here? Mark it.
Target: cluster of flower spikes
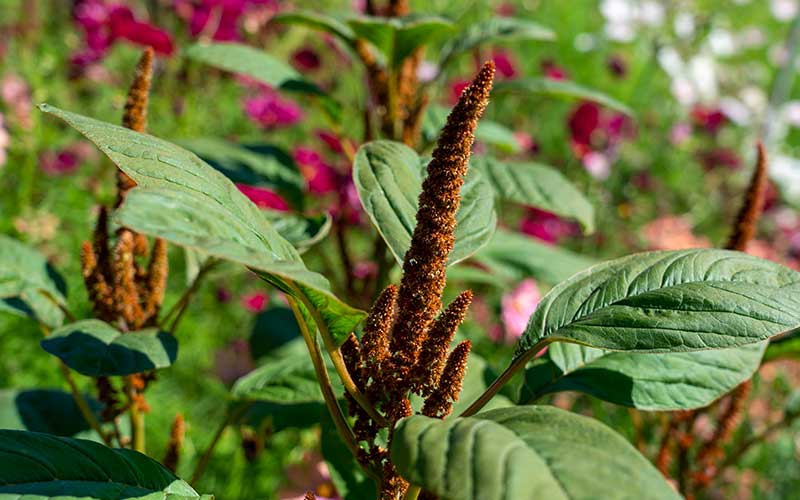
(679, 430)
(409, 106)
(123, 291)
(405, 347)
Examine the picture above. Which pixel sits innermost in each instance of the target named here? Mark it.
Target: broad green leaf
(396, 38)
(321, 22)
(517, 256)
(40, 466)
(286, 377)
(670, 381)
(50, 411)
(24, 275)
(559, 88)
(537, 185)
(497, 29)
(182, 199)
(262, 165)
(277, 416)
(299, 230)
(95, 348)
(488, 131)
(389, 178)
(246, 60)
(670, 301)
(528, 452)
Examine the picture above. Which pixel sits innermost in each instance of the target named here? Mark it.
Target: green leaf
(255, 63)
(671, 301)
(44, 410)
(537, 185)
(300, 230)
(559, 88)
(286, 377)
(321, 22)
(523, 453)
(24, 275)
(185, 201)
(517, 256)
(497, 29)
(663, 382)
(397, 37)
(40, 466)
(389, 179)
(488, 131)
(273, 328)
(263, 165)
(95, 348)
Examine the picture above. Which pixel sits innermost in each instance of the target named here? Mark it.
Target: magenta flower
(320, 176)
(719, 157)
(595, 134)
(707, 119)
(66, 160)
(553, 71)
(306, 59)
(218, 18)
(546, 226)
(456, 88)
(517, 307)
(255, 302)
(333, 141)
(103, 24)
(263, 197)
(270, 110)
(504, 63)
(5, 141)
(233, 361)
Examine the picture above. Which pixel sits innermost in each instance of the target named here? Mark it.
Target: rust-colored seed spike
(135, 117)
(102, 248)
(126, 297)
(428, 370)
(309, 496)
(746, 221)
(173, 454)
(440, 403)
(96, 285)
(156, 279)
(351, 352)
(419, 298)
(375, 341)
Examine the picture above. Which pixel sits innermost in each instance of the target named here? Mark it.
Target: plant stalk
(82, 405)
(206, 456)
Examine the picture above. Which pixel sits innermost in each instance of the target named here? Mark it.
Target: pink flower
(66, 160)
(672, 233)
(255, 302)
(263, 197)
(506, 9)
(504, 63)
(5, 141)
(320, 176)
(365, 269)
(517, 307)
(546, 226)
(233, 361)
(270, 111)
(17, 96)
(306, 59)
(333, 141)
(719, 157)
(597, 164)
(680, 133)
(526, 142)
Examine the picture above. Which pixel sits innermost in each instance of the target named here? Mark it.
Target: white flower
(684, 25)
(783, 10)
(597, 164)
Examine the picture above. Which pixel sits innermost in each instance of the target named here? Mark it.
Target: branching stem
(231, 416)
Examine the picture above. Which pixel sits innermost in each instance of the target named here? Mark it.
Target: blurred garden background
(704, 80)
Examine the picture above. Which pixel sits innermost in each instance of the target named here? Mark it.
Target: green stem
(82, 405)
(338, 362)
(182, 304)
(324, 381)
(504, 377)
(137, 421)
(206, 456)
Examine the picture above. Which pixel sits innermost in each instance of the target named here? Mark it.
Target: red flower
(255, 302)
(220, 15)
(595, 129)
(504, 64)
(270, 110)
(124, 25)
(546, 226)
(306, 59)
(708, 119)
(263, 197)
(321, 177)
(719, 157)
(552, 71)
(456, 88)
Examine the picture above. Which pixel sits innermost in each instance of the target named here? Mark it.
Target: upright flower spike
(440, 403)
(375, 340)
(156, 280)
(102, 247)
(135, 116)
(419, 298)
(429, 367)
(99, 292)
(126, 297)
(173, 453)
(746, 221)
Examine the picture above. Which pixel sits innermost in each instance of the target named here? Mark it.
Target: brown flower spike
(746, 221)
(419, 297)
(135, 116)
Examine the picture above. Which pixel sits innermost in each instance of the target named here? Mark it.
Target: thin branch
(230, 416)
(182, 304)
(67, 313)
(734, 455)
(82, 405)
(136, 418)
(504, 377)
(338, 362)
